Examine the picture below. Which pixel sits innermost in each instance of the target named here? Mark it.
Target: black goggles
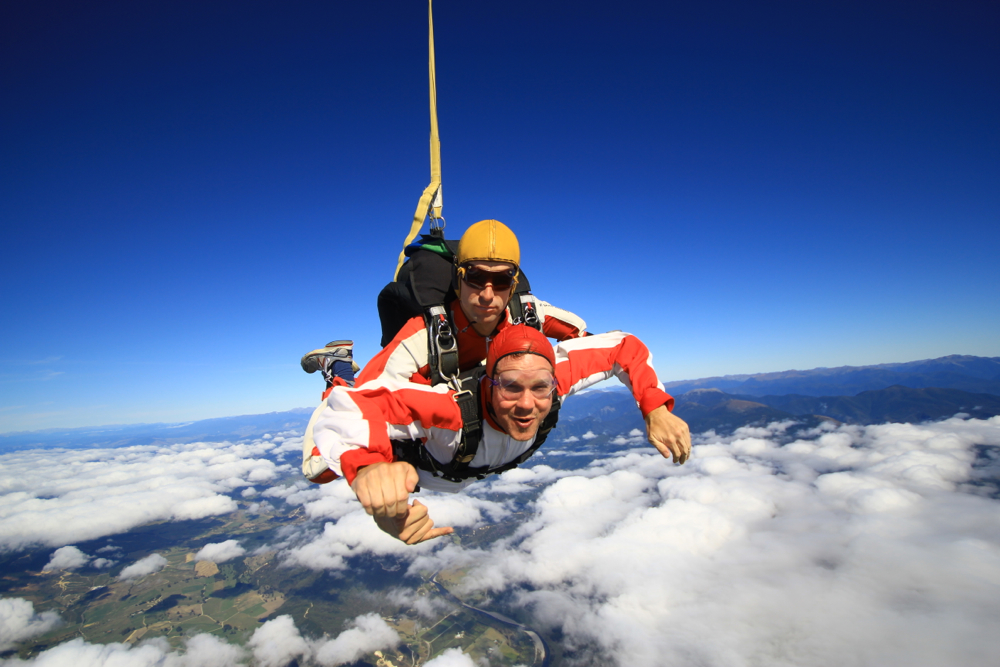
(478, 279)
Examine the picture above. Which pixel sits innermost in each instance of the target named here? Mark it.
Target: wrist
(352, 461)
(655, 399)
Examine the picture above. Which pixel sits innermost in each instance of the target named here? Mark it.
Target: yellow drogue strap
(430, 201)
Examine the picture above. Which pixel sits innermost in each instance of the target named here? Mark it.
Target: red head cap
(517, 339)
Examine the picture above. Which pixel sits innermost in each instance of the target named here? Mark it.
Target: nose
(526, 401)
(487, 292)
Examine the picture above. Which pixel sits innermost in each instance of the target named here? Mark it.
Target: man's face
(517, 404)
(484, 307)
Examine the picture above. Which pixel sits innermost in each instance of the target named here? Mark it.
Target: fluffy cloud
(369, 633)
(66, 558)
(278, 642)
(140, 568)
(99, 492)
(201, 651)
(453, 657)
(18, 621)
(428, 606)
(220, 552)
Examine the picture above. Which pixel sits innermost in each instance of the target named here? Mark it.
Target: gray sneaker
(323, 358)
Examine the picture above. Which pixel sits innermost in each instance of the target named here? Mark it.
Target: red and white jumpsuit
(354, 427)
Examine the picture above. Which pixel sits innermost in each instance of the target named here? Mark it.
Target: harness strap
(442, 345)
(430, 201)
(472, 424)
(414, 452)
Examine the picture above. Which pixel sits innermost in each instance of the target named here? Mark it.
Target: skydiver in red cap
(387, 436)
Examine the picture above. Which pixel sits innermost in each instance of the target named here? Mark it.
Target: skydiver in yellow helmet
(487, 267)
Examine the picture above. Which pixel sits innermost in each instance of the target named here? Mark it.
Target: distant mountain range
(705, 409)
(613, 411)
(978, 375)
(124, 435)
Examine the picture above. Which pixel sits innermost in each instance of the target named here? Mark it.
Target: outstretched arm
(383, 490)
(669, 434)
(582, 362)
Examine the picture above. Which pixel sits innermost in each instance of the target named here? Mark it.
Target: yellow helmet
(489, 241)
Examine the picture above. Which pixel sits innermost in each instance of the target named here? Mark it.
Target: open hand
(669, 434)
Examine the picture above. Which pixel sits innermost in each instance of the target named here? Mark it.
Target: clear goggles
(511, 385)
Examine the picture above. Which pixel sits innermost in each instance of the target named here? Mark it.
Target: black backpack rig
(425, 286)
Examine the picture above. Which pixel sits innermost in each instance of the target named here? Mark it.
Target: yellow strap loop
(430, 201)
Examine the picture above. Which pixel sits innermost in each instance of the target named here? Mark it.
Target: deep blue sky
(192, 195)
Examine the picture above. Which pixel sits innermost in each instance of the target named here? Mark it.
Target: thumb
(662, 447)
(417, 503)
(412, 477)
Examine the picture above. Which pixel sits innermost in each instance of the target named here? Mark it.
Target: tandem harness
(458, 469)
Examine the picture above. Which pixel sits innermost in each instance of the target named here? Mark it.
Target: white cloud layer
(369, 633)
(18, 621)
(850, 546)
(761, 550)
(148, 565)
(220, 552)
(274, 644)
(66, 558)
(858, 546)
(99, 492)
